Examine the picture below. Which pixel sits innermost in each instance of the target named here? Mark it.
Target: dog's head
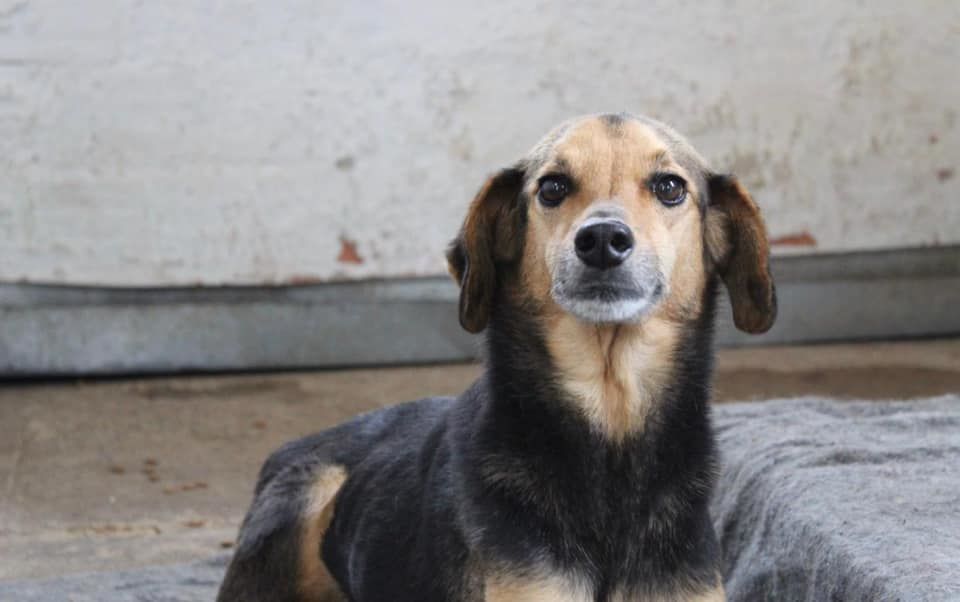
(613, 219)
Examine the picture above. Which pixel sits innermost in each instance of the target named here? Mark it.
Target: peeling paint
(122, 167)
(797, 239)
(348, 252)
(304, 279)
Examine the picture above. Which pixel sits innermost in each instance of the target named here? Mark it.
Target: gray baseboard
(66, 331)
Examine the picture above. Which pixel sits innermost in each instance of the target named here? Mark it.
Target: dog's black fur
(420, 494)
(504, 479)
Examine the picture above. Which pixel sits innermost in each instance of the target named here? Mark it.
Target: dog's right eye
(552, 190)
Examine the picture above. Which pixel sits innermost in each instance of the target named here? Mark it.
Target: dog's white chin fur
(598, 311)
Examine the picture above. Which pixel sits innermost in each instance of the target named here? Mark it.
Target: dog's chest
(548, 586)
(540, 586)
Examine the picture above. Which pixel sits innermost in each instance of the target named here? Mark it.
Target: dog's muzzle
(601, 278)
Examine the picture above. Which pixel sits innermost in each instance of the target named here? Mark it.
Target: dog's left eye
(670, 189)
(552, 190)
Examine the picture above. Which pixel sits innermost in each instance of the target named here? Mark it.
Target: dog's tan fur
(316, 582)
(545, 587)
(614, 371)
(548, 586)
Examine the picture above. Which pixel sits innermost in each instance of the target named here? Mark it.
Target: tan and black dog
(579, 467)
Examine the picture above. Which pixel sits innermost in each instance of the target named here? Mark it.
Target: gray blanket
(818, 500)
(825, 500)
(196, 582)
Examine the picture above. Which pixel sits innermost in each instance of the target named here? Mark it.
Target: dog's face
(612, 209)
(613, 219)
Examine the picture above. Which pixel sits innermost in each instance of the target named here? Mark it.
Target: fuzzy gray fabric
(826, 500)
(819, 500)
(196, 582)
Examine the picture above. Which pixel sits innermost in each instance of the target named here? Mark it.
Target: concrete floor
(121, 474)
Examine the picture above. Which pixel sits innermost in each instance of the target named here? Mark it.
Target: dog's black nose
(604, 244)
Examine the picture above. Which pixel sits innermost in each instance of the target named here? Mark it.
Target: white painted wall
(184, 142)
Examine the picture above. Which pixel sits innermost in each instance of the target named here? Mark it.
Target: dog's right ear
(491, 234)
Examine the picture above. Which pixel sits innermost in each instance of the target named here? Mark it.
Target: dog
(580, 465)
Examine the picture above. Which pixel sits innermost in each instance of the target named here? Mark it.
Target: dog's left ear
(491, 234)
(736, 241)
